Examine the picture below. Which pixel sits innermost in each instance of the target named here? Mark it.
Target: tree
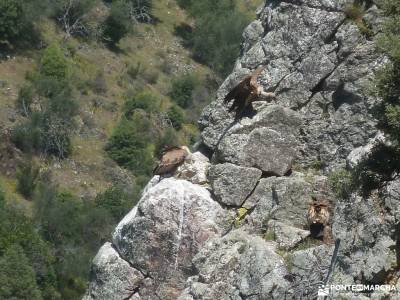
(139, 10)
(12, 20)
(27, 176)
(130, 144)
(182, 89)
(16, 230)
(48, 129)
(176, 116)
(118, 23)
(72, 15)
(53, 63)
(17, 277)
(115, 201)
(383, 163)
(144, 100)
(217, 33)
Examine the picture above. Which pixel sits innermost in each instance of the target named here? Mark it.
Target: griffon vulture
(318, 212)
(246, 91)
(172, 157)
(319, 219)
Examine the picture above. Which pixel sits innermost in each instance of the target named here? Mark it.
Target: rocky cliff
(232, 223)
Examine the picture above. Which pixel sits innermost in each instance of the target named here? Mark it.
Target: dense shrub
(182, 89)
(48, 129)
(388, 80)
(17, 277)
(217, 33)
(382, 165)
(384, 161)
(54, 63)
(115, 201)
(28, 135)
(2, 198)
(168, 137)
(19, 240)
(151, 76)
(12, 19)
(144, 100)
(17, 17)
(99, 83)
(341, 182)
(134, 70)
(27, 176)
(25, 99)
(355, 13)
(185, 3)
(176, 116)
(75, 229)
(117, 24)
(129, 145)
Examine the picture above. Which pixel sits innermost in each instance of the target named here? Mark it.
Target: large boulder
(284, 199)
(237, 266)
(153, 246)
(309, 269)
(368, 234)
(232, 184)
(112, 277)
(266, 141)
(194, 169)
(285, 235)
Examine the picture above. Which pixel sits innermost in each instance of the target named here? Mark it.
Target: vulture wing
(240, 91)
(170, 160)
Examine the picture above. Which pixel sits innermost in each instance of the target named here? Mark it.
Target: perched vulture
(246, 91)
(319, 212)
(172, 157)
(319, 219)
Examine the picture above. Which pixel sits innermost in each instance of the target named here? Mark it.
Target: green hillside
(90, 91)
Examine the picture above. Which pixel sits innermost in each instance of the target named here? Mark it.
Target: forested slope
(90, 91)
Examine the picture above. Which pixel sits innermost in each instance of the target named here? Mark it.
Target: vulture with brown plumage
(246, 91)
(172, 157)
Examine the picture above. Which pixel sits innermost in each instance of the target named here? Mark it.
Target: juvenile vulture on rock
(319, 220)
(246, 91)
(172, 157)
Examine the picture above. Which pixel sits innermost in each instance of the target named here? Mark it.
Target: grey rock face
(368, 233)
(194, 169)
(309, 267)
(113, 278)
(179, 243)
(286, 236)
(232, 184)
(161, 235)
(362, 152)
(284, 199)
(266, 141)
(154, 244)
(237, 266)
(320, 65)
